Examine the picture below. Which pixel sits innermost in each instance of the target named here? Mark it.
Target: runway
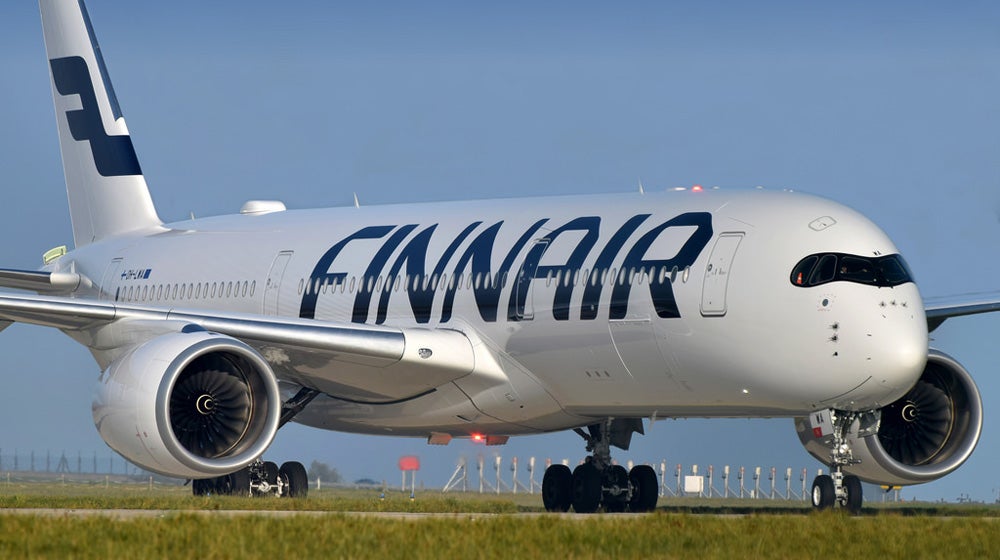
(280, 514)
(129, 514)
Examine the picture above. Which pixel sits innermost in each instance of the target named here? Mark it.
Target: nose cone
(905, 346)
(895, 347)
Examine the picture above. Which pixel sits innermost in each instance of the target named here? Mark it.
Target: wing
(941, 308)
(354, 361)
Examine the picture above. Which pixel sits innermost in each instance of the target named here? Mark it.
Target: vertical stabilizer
(107, 192)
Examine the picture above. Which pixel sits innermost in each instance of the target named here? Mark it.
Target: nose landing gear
(597, 482)
(837, 488)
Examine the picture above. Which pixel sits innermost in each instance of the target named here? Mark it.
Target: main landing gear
(263, 478)
(260, 478)
(837, 488)
(597, 482)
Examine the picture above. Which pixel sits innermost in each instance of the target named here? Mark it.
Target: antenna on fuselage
(356, 203)
(641, 190)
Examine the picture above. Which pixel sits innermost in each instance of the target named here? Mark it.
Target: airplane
(484, 320)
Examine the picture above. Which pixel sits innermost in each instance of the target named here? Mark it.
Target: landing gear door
(272, 287)
(720, 264)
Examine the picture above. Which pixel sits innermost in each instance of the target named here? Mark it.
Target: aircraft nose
(899, 344)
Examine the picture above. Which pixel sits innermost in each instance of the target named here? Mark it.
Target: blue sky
(888, 107)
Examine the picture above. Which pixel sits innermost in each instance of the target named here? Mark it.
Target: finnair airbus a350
(486, 319)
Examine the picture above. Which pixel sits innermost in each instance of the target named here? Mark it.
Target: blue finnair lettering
(475, 265)
(114, 156)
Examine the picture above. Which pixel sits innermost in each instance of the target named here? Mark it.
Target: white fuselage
(666, 305)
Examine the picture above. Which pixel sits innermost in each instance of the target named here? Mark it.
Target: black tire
(236, 483)
(295, 476)
(852, 487)
(645, 488)
(614, 489)
(557, 488)
(270, 472)
(203, 487)
(823, 493)
(586, 488)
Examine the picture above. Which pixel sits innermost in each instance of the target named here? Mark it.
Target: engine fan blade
(209, 411)
(916, 427)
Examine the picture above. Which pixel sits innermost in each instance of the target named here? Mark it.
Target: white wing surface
(370, 363)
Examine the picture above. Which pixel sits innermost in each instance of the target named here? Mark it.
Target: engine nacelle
(188, 405)
(923, 436)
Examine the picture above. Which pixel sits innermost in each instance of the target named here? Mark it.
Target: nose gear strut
(838, 488)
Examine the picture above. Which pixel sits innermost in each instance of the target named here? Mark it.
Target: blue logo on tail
(113, 155)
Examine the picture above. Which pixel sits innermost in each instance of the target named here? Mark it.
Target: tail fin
(107, 192)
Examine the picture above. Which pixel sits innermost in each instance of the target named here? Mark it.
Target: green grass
(766, 529)
(335, 499)
(169, 497)
(654, 536)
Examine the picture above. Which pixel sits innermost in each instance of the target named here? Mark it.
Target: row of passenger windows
(481, 280)
(186, 291)
(245, 289)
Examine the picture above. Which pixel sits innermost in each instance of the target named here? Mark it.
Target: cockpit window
(825, 271)
(884, 272)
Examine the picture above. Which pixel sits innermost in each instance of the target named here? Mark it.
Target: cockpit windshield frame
(822, 268)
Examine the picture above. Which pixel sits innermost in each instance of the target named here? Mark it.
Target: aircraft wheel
(615, 489)
(645, 488)
(298, 481)
(203, 487)
(852, 486)
(269, 470)
(586, 488)
(823, 493)
(236, 483)
(557, 488)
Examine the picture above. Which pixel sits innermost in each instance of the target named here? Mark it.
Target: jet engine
(190, 404)
(924, 435)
